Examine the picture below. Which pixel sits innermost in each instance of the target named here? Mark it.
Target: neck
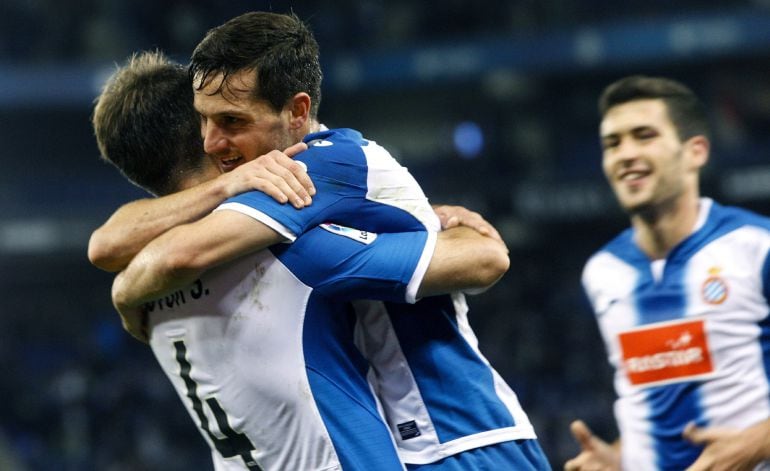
(315, 126)
(660, 229)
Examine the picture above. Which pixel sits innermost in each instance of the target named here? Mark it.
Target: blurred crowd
(79, 393)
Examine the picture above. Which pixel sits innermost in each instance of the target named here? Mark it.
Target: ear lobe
(698, 147)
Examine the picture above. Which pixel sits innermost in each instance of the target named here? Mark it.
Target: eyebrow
(635, 129)
(224, 112)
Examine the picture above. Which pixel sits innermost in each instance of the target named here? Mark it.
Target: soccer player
(261, 349)
(434, 422)
(681, 297)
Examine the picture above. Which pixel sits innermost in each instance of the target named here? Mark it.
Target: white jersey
(261, 350)
(688, 336)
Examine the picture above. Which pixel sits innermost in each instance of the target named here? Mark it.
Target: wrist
(759, 436)
(220, 188)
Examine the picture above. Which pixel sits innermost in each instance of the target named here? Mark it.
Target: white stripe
(422, 267)
(261, 217)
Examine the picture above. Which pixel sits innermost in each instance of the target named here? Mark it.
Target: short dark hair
(146, 125)
(279, 48)
(685, 110)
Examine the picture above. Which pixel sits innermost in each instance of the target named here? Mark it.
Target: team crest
(714, 289)
(320, 143)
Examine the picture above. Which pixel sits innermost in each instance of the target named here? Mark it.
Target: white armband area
(261, 217)
(422, 268)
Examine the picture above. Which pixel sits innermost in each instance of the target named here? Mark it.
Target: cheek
(607, 166)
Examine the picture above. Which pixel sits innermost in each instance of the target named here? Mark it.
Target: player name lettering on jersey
(665, 353)
(178, 298)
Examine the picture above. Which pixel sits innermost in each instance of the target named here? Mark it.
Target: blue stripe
(519, 455)
(764, 324)
(336, 374)
(442, 364)
(347, 269)
(672, 407)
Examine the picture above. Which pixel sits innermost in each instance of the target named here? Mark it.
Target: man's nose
(624, 151)
(214, 140)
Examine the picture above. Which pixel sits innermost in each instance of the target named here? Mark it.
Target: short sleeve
(348, 264)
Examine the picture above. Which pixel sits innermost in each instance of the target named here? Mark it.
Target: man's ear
(698, 148)
(299, 109)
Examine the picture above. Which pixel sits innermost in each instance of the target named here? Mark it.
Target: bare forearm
(113, 245)
(181, 255)
(149, 276)
(762, 430)
(464, 260)
(134, 225)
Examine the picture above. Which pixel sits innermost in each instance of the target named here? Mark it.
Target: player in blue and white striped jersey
(225, 91)
(443, 401)
(681, 297)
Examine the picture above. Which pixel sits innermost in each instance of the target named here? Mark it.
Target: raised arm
(464, 260)
(182, 254)
(134, 225)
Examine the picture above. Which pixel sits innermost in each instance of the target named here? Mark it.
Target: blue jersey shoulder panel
(339, 169)
(347, 268)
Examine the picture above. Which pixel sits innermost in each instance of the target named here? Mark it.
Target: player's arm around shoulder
(113, 245)
(464, 260)
(132, 226)
(182, 254)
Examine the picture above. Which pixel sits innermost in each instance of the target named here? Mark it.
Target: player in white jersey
(681, 297)
(261, 349)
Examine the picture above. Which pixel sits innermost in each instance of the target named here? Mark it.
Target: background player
(681, 297)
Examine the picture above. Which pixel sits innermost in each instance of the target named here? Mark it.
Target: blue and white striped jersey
(438, 392)
(359, 184)
(688, 336)
(261, 350)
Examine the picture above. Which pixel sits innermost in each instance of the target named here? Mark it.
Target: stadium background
(491, 104)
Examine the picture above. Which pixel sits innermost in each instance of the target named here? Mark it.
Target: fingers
(705, 435)
(289, 177)
(297, 168)
(295, 149)
(582, 434)
(453, 216)
(136, 326)
(585, 461)
(572, 465)
(691, 433)
(277, 175)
